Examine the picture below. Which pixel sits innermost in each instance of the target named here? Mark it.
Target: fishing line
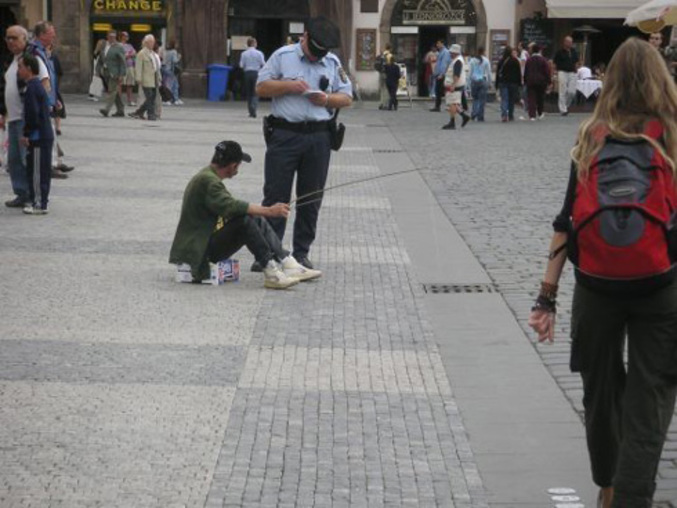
(294, 202)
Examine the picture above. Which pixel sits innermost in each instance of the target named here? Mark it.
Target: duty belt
(302, 127)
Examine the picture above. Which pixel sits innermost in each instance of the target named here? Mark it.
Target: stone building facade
(215, 31)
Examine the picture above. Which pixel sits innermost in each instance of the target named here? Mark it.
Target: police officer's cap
(324, 32)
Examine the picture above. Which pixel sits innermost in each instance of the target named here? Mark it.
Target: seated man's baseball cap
(227, 152)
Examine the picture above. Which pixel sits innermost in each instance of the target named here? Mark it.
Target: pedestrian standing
(45, 35)
(454, 84)
(537, 77)
(393, 73)
(148, 78)
(428, 73)
(115, 70)
(96, 85)
(60, 113)
(170, 63)
(508, 83)
(566, 62)
(441, 67)
(130, 60)
(626, 287)
(480, 79)
(38, 136)
(307, 84)
(381, 67)
(251, 62)
(523, 53)
(16, 38)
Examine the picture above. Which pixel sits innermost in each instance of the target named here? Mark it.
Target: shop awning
(608, 9)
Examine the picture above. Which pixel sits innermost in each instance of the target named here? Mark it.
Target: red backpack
(623, 237)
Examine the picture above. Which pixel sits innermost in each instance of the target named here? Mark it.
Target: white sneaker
(34, 210)
(179, 102)
(541, 116)
(522, 118)
(532, 119)
(275, 278)
(167, 103)
(293, 268)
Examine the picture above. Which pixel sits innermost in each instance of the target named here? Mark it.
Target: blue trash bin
(218, 81)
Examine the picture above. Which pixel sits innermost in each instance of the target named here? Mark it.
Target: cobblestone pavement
(501, 186)
(120, 387)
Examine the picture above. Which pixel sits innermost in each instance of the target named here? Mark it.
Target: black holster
(267, 129)
(336, 132)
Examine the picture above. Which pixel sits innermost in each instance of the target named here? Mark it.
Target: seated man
(207, 202)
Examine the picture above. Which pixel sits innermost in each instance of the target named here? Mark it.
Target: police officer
(306, 83)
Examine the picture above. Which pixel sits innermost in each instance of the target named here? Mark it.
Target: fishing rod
(294, 202)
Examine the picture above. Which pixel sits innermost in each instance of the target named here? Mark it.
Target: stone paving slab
(501, 186)
(123, 388)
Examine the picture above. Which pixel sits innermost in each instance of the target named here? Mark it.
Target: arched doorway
(271, 22)
(413, 26)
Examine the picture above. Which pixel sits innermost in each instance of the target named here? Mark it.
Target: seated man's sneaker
(275, 278)
(303, 260)
(293, 268)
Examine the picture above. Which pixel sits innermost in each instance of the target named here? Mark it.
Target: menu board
(538, 30)
(499, 39)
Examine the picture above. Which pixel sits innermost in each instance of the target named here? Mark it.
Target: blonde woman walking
(616, 227)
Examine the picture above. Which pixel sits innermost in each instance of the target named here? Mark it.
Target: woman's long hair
(637, 88)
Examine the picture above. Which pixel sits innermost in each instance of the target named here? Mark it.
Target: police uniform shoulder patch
(343, 75)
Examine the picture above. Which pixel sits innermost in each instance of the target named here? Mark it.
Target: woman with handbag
(616, 227)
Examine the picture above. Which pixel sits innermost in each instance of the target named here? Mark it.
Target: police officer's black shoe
(303, 260)
(256, 267)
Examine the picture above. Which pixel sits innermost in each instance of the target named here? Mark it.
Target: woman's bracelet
(548, 290)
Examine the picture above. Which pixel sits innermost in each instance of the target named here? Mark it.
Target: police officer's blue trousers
(307, 156)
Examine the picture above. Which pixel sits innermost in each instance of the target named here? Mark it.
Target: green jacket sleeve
(220, 202)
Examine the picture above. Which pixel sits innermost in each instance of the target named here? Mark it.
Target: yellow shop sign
(128, 5)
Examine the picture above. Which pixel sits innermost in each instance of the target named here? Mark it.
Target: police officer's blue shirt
(290, 63)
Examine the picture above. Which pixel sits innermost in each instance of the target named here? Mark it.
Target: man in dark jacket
(537, 77)
(114, 72)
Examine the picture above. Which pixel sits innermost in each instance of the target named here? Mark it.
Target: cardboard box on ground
(226, 270)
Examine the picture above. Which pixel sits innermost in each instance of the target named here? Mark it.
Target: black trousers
(254, 232)
(306, 156)
(439, 92)
(627, 412)
(150, 94)
(39, 171)
(392, 92)
(250, 78)
(536, 100)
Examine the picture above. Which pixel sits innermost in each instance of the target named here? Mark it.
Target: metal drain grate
(459, 288)
(387, 150)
